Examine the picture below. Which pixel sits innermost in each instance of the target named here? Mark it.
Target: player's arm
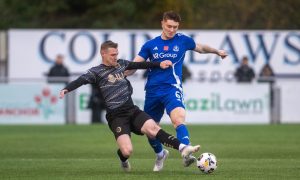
(145, 65)
(136, 59)
(72, 86)
(202, 48)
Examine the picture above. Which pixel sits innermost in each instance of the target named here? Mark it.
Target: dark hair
(108, 44)
(171, 15)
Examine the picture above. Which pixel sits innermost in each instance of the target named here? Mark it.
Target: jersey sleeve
(142, 65)
(89, 76)
(124, 63)
(189, 43)
(75, 84)
(144, 52)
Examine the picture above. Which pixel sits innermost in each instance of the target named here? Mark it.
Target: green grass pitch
(89, 152)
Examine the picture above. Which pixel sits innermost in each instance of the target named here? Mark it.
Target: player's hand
(62, 93)
(165, 64)
(129, 72)
(222, 53)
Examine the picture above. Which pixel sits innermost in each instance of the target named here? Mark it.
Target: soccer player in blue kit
(164, 87)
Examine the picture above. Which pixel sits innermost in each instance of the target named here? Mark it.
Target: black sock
(167, 139)
(122, 158)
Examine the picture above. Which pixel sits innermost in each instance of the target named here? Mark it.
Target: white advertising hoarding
(219, 103)
(83, 113)
(36, 50)
(31, 104)
(289, 101)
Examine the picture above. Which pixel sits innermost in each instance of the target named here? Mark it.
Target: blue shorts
(170, 99)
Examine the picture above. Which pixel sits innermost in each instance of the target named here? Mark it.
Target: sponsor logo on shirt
(114, 77)
(156, 48)
(164, 55)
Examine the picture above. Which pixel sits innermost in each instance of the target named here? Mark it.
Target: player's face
(169, 28)
(110, 56)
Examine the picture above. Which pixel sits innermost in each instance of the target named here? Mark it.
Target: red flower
(46, 92)
(37, 99)
(53, 100)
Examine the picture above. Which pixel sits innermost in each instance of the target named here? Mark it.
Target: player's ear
(102, 52)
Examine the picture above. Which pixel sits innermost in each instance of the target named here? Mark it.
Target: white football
(207, 162)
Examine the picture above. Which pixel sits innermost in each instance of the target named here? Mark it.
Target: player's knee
(126, 151)
(180, 117)
(177, 116)
(178, 121)
(150, 128)
(154, 130)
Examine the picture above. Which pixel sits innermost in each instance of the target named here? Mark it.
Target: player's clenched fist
(222, 53)
(62, 93)
(165, 64)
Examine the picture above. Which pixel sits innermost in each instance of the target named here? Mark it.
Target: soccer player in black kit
(122, 115)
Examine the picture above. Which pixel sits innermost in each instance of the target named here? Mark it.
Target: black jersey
(111, 81)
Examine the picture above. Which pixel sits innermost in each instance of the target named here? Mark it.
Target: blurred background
(36, 36)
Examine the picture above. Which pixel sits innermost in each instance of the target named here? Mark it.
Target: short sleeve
(189, 43)
(144, 52)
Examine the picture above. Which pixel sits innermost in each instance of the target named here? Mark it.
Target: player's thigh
(150, 128)
(173, 100)
(154, 108)
(139, 119)
(145, 124)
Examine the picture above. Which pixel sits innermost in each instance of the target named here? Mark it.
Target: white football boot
(126, 166)
(186, 154)
(159, 162)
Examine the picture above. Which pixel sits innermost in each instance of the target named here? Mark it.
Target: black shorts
(126, 121)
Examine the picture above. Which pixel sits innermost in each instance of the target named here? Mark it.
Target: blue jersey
(158, 50)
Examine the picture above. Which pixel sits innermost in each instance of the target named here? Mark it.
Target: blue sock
(183, 134)
(156, 145)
